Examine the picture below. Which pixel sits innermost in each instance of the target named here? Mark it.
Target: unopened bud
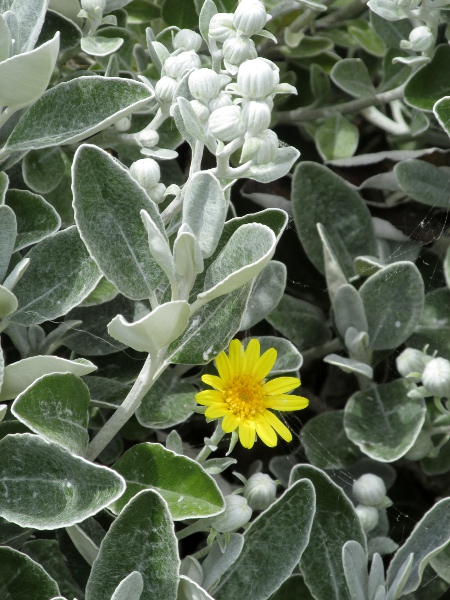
(250, 17)
(156, 193)
(122, 125)
(226, 123)
(257, 78)
(236, 50)
(368, 517)
(90, 6)
(204, 84)
(421, 38)
(260, 491)
(175, 66)
(187, 39)
(436, 377)
(147, 138)
(410, 361)
(221, 26)
(200, 110)
(146, 172)
(369, 490)
(256, 116)
(268, 148)
(165, 90)
(237, 513)
(421, 448)
(221, 100)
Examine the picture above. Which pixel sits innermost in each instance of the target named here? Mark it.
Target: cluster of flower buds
(434, 372)
(206, 88)
(369, 491)
(234, 32)
(147, 173)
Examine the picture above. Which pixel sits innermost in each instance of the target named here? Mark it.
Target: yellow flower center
(244, 396)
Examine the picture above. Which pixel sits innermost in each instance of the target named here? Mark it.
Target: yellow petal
(214, 382)
(265, 364)
(252, 353)
(223, 366)
(281, 385)
(285, 403)
(265, 431)
(279, 427)
(247, 430)
(230, 422)
(237, 358)
(216, 411)
(208, 397)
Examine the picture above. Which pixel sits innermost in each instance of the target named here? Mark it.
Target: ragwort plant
(143, 192)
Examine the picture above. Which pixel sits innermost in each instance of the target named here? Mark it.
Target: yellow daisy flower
(242, 396)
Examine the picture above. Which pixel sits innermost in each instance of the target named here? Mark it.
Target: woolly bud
(256, 116)
(90, 6)
(236, 50)
(221, 26)
(260, 491)
(267, 150)
(410, 361)
(237, 513)
(421, 38)
(222, 99)
(165, 90)
(436, 377)
(250, 17)
(175, 66)
(369, 490)
(204, 84)
(147, 138)
(146, 171)
(257, 78)
(122, 125)
(187, 39)
(226, 123)
(368, 517)
(421, 448)
(156, 193)
(200, 110)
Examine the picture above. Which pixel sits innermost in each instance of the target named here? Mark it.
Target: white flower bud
(226, 123)
(187, 39)
(156, 193)
(421, 448)
(147, 137)
(257, 78)
(436, 377)
(175, 66)
(204, 84)
(165, 90)
(146, 172)
(267, 151)
(250, 17)
(221, 26)
(237, 513)
(236, 50)
(421, 38)
(122, 125)
(200, 110)
(90, 5)
(260, 491)
(222, 99)
(256, 116)
(410, 361)
(369, 490)
(368, 516)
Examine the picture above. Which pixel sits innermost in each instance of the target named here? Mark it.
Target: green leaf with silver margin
(8, 227)
(266, 293)
(352, 76)
(141, 539)
(424, 182)
(259, 571)
(336, 138)
(42, 170)
(188, 490)
(56, 407)
(21, 578)
(45, 487)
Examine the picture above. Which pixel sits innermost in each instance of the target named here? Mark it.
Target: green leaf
(188, 490)
(367, 38)
(107, 204)
(430, 536)
(442, 113)
(75, 110)
(434, 324)
(288, 357)
(103, 292)
(56, 407)
(348, 309)
(387, 10)
(189, 590)
(140, 539)
(335, 523)
(424, 182)
(21, 578)
(383, 421)
(69, 31)
(326, 444)
(42, 170)
(218, 561)
(183, 14)
(352, 76)
(8, 227)
(36, 218)
(60, 275)
(266, 293)
(130, 588)
(293, 589)
(100, 46)
(437, 465)
(390, 32)
(45, 487)
(320, 196)
(300, 321)
(336, 138)
(391, 314)
(308, 47)
(169, 402)
(259, 570)
(430, 83)
(286, 157)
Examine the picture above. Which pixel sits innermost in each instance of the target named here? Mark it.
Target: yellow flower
(242, 396)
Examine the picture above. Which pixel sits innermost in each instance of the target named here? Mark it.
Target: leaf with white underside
(60, 275)
(19, 375)
(266, 293)
(99, 45)
(282, 164)
(46, 487)
(129, 588)
(56, 407)
(108, 203)
(74, 110)
(218, 561)
(141, 539)
(190, 590)
(21, 578)
(30, 15)
(188, 490)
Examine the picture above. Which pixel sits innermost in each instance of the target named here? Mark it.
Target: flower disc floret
(257, 78)
(250, 17)
(243, 397)
(204, 84)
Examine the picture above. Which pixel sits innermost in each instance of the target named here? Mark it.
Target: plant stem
(197, 155)
(212, 441)
(328, 348)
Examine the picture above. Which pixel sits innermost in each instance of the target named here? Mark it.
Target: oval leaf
(21, 578)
